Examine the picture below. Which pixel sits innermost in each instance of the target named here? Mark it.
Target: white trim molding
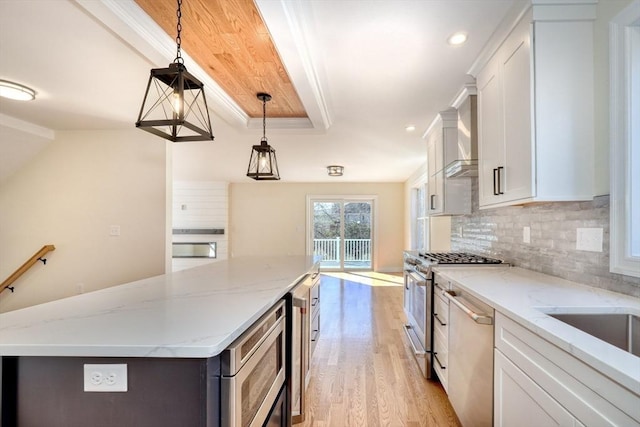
(287, 21)
(624, 47)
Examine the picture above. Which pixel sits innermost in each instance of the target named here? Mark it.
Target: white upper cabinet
(535, 109)
(445, 196)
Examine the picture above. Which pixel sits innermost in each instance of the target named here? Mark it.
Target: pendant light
(262, 163)
(174, 106)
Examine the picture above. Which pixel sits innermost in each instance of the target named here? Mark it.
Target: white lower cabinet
(314, 325)
(441, 332)
(519, 401)
(538, 384)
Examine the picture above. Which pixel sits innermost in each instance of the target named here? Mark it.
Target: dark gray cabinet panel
(49, 391)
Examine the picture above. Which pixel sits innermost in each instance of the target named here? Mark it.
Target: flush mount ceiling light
(263, 165)
(174, 106)
(457, 39)
(16, 91)
(335, 170)
(410, 128)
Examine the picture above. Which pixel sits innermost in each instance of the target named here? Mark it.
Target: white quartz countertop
(527, 297)
(190, 313)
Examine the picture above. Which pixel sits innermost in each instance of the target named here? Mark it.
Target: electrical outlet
(589, 239)
(105, 377)
(114, 230)
(526, 234)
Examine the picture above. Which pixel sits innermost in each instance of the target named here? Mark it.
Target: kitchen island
(168, 330)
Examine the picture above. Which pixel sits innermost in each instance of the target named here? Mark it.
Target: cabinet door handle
(435, 356)
(495, 191)
(432, 201)
(480, 318)
(500, 169)
(435, 316)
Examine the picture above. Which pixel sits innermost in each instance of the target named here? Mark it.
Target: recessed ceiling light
(410, 128)
(16, 91)
(457, 38)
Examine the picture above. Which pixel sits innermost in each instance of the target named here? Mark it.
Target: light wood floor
(362, 371)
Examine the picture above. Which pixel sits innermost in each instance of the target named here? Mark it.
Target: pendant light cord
(179, 59)
(264, 119)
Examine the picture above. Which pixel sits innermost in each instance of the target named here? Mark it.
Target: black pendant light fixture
(174, 105)
(262, 163)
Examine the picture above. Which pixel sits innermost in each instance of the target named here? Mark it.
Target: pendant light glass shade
(263, 165)
(174, 106)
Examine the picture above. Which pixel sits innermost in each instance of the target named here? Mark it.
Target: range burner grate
(458, 258)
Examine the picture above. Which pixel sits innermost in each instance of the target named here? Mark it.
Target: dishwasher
(470, 366)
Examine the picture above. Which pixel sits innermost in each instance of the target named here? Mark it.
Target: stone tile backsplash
(499, 233)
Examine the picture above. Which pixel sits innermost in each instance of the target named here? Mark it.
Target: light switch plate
(526, 234)
(105, 377)
(589, 239)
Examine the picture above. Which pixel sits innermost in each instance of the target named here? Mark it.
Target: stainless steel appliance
(300, 347)
(254, 373)
(305, 330)
(470, 370)
(419, 294)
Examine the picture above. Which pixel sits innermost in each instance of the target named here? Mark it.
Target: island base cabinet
(49, 391)
(519, 401)
(538, 383)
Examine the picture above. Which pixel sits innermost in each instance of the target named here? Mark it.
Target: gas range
(419, 296)
(422, 262)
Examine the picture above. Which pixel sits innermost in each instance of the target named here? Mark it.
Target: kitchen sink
(619, 329)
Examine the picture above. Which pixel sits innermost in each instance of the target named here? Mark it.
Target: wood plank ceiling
(229, 40)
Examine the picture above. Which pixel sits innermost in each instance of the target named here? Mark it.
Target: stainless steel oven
(418, 296)
(254, 374)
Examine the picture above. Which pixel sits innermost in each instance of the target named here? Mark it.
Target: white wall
(270, 217)
(69, 195)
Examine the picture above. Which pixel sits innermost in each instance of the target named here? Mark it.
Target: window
(625, 141)
(420, 219)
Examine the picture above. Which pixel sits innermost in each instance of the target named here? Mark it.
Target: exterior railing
(354, 249)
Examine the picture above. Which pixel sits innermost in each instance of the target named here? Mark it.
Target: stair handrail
(26, 266)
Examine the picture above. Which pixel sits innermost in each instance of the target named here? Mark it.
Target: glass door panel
(327, 219)
(357, 235)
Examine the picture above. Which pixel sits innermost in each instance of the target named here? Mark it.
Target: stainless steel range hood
(461, 168)
(466, 164)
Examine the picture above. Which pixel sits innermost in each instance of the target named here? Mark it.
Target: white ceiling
(364, 70)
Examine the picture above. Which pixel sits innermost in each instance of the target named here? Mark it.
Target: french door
(341, 232)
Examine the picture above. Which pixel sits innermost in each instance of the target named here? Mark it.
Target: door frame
(344, 198)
